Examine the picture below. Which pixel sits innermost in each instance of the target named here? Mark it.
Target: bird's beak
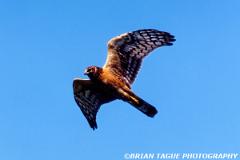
(85, 72)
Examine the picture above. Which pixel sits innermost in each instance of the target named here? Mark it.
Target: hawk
(113, 81)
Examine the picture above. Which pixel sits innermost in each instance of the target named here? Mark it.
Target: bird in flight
(113, 80)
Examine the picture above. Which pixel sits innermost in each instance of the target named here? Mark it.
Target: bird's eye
(89, 70)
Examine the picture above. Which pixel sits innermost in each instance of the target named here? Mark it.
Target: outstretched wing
(89, 98)
(125, 52)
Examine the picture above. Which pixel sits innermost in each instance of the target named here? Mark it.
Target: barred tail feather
(143, 106)
(146, 108)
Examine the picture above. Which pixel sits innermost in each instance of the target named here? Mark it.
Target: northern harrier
(113, 81)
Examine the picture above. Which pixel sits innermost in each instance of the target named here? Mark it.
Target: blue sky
(194, 84)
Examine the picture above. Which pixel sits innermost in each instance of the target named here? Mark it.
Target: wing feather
(89, 98)
(125, 52)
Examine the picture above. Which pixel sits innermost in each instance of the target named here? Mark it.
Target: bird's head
(92, 72)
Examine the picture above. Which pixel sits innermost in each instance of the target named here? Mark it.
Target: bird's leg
(128, 96)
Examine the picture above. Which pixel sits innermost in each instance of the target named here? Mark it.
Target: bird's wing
(89, 98)
(126, 51)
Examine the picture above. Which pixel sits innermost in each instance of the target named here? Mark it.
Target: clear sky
(194, 84)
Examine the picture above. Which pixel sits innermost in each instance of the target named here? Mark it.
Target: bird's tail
(142, 105)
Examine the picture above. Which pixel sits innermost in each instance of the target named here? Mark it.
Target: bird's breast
(112, 80)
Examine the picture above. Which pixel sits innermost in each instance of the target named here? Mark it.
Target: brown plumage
(113, 81)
